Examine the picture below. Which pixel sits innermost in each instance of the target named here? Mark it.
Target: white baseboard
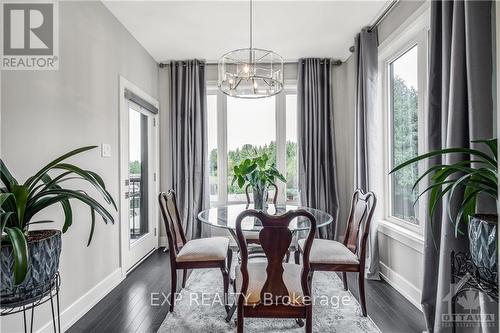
(402, 285)
(82, 305)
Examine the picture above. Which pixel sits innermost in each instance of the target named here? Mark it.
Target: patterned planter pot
(483, 240)
(44, 248)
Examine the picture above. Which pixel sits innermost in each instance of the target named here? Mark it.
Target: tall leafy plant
(256, 171)
(19, 202)
(476, 175)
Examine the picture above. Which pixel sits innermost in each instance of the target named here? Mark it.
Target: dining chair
(350, 254)
(197, 253)
(253, 237)
(272, 288)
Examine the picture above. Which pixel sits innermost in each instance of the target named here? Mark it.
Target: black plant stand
(45, 293)
(465, 275)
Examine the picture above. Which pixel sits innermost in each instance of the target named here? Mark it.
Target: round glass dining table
(225, 217)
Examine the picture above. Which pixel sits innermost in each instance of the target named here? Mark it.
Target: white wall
(47, 113)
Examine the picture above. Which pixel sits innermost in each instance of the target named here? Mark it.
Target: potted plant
(259, 173)
(469, 179)
(30, 259)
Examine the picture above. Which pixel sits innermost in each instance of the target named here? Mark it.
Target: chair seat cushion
(257, 277)
(324, 251)
(204, 249)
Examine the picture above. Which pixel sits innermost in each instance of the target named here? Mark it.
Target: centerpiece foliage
(257, 172)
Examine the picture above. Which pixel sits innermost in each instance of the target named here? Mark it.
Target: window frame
(415, 34)
(290, 88)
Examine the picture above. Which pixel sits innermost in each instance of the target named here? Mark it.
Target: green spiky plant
(476, 175)
(20, 202)
(257, 171)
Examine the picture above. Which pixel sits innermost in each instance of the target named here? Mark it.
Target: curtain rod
(383, 15)
(379, 19)
(214, 63)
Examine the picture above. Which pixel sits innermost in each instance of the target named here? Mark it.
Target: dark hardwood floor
(128, 307)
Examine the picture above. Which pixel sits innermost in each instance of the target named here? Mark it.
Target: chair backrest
(172, 220)
(275, 238)
(275, 197)
(362, 208)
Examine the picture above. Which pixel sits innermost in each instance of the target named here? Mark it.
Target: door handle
(127, 195)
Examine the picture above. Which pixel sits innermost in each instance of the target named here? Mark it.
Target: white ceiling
(176, 30)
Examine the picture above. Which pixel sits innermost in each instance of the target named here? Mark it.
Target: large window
(404, 133)
(404, 69)
(292, 181)
(212, 147)
(241, 128)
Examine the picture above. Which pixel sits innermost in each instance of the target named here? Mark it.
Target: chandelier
(250, 72)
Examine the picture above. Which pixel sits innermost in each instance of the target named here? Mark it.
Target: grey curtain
(317, 179)
(188, 132)
(366, 103)
(460, 109)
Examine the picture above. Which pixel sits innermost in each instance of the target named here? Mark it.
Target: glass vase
(259, 198)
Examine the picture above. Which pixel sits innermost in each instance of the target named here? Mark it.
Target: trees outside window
(404, 113)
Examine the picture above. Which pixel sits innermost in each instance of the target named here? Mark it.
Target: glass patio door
(138, 173)
(138, 139)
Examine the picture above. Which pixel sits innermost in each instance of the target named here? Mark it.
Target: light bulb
(231, 81)
(255, 84)
(246, 69)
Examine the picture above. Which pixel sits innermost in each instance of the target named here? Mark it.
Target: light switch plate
(106, 150)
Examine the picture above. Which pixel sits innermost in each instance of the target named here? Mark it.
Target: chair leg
(184, 278)
(225, 278)
(229, 260)
(240, 321)
(310, 280)
(361, 283)
(173, 289)
(344, 279)
(309, 319)
(297, 256)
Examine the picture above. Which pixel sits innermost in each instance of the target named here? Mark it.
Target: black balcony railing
(135, 199)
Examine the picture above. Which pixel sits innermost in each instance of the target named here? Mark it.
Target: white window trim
(280, 114)
(414, 31)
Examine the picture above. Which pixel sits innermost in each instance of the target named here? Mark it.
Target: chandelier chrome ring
(250, 73)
